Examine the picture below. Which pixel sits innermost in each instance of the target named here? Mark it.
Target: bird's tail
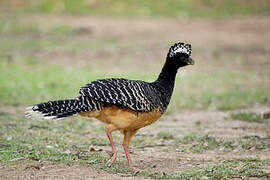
(61, 108)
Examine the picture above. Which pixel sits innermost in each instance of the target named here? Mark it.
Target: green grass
(250, 142)
(36, 83)
(198, 143)
(165, 135)
(195, 143)
(252, 117)
(150, 8)
(223, 90)
(11, 26)
(227, 170)
(244, 168)
(62, 30)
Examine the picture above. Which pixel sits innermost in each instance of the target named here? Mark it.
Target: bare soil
(136, 40)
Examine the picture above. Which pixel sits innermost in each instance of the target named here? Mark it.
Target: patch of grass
(250, 159)
(224, 91)
(165, 135)
(198, 123)
(253, 142)
(142, 141)
(171, 8)
(41, 140)
(238, 168)
(13, 26)
(27, 84)
(116, 168)
(201, 143)
(198, 143)
(227, 170)
(252, 116)
(12, 149)
(61, 30)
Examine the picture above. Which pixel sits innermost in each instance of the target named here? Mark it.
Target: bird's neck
(167, 75)
(165, 81)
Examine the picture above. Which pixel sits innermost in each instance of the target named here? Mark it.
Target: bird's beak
(191, 61)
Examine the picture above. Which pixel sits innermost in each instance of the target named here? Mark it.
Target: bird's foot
(135, 170)
(110, 153)
(112, 158)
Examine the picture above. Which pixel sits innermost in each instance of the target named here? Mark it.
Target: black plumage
(133, 94)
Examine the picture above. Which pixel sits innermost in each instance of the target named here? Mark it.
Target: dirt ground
(249, 35)
(164, 156)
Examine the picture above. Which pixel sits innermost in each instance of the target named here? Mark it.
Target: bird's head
(179, 54)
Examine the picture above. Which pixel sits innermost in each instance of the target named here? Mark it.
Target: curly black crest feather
(180, 48)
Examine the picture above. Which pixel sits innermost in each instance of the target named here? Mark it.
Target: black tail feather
(59, 108)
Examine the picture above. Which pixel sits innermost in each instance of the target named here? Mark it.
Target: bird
(122, 104)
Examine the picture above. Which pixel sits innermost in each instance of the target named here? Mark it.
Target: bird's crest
(180, 48)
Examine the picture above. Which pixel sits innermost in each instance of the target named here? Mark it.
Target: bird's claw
(112, 158)
(110, 153)
(135, 170)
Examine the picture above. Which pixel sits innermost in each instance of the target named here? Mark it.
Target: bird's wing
(136, 95)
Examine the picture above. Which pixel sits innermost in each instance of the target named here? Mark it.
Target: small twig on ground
(39, 127)
(24, 158)
(255, 136)
(18, 159)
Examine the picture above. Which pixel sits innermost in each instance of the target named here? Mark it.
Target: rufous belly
(123, 118)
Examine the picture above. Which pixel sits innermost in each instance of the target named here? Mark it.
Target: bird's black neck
(165, 81)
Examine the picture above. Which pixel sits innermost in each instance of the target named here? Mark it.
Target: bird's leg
(127, 138)
(126, 149)
(113, 153)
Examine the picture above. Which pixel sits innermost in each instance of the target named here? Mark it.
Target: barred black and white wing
(136, 95)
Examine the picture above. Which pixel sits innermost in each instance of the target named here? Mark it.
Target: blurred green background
(149, 8)
(49, 48)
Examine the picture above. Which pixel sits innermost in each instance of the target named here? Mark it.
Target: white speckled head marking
(180, 48)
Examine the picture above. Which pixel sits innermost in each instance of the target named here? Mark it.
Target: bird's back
(132, 94)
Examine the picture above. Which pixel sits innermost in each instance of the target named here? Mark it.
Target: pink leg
(127, 138)
(113, 153)
(127, 154)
